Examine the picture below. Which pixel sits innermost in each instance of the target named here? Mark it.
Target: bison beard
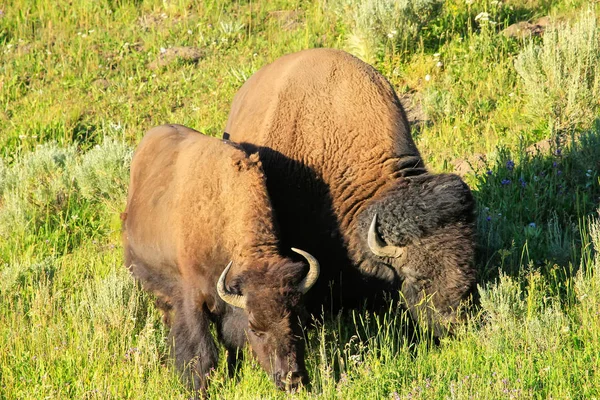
(348, 184)
(195, 203)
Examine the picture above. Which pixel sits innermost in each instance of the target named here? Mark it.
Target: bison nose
(291, 380)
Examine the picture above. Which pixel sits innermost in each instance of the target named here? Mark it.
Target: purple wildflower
(558, 152)
(558, 172)
(510, 164)
(554, 164)
(522, 181)
(489, 172)
(488, 218)
(505, 181)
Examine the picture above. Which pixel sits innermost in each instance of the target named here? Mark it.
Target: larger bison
(196, 204)
(348, 184)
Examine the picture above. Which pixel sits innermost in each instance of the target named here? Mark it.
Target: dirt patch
(478, 161)
(101, 83)
(469, 165)
(524, 29)
(412, 105)
(173, 54)
(288, 19)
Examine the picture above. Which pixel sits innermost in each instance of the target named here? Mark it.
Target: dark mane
(420, 205)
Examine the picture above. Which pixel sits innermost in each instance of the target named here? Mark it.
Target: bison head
(424, 229)
(271, 296)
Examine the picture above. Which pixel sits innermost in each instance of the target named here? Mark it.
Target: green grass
(77, 94)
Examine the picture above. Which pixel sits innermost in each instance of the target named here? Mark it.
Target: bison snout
(290, 380)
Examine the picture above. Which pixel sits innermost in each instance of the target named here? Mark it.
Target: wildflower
(427, 77)
(439, 64)
(489, 172)
(511, 94)
(488, 218)
(558, 172)
(189, 32)
(483, 16)
(505, 181)
(558, 152)
(510, 165)
(522, 181)
(554, 164)
(532, 225)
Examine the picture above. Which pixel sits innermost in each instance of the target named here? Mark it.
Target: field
(516, 115)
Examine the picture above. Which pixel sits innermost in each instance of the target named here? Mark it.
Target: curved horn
(313, 272)
(229, 298)
(378, 246)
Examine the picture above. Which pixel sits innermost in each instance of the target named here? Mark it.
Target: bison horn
(313, 272)
(378, 246)
(229, 298)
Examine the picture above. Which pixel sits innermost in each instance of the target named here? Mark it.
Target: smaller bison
(195, 205)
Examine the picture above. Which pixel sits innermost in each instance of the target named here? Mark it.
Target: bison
(199, 233)
(349, 185)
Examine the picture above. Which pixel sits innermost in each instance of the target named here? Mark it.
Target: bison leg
(231, 331)
(193, 346)
(166, 310)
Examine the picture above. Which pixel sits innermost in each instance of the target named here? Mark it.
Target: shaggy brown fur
(194, 204)
(336, 149)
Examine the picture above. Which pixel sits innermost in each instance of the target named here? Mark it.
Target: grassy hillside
(81, 81)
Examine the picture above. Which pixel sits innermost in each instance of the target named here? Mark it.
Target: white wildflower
(483, 16)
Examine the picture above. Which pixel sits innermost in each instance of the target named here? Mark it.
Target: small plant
(378, 24)
(104, 171)
(562, 75)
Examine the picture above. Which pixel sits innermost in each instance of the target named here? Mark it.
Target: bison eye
(256, 333)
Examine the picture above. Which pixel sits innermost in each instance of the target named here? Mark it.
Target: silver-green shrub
(104, 171)
(36, 184)
(561, 76)
(373, 24)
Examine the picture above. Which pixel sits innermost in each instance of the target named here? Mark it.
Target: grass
(77, 92)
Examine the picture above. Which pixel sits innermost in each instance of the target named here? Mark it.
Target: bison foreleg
(193, 346)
